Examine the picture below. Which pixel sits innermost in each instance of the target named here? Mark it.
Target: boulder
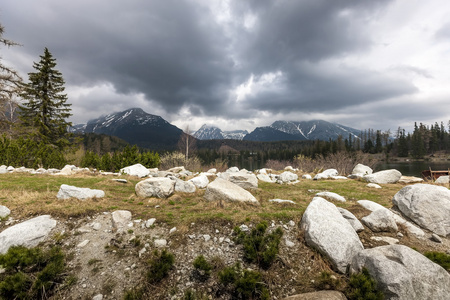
(224, 190)
(427, 205)
(384, 177)
(4, 211)
(373, 185)
(287, 177)
(120, 219)
(413, 229)
(183, 186)
(403, 273)
(356, 224)
(212, 171)
(307, 177)
(410, 180)
(135, 170)
(442, 180)
(3, 169)
(201, 181)
(232, 170)
(67, 170)
(177, 170)
(160, 187)
(380, 220)
(329, 173)
(370, 205)
(385, 239)
(28, 234)
(320, 295)
(331, 196)
(282, 201)
(362, 169)
(68, 191)
(245, 180)
(265, 178)
(330, 233)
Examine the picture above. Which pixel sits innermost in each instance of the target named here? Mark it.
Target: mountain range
(153, 132)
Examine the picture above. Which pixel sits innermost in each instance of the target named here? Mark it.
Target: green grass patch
(440, 258)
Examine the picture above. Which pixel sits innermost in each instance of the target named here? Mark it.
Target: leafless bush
(277, 165)
(343, 162)
(178, 159)
(219, 164)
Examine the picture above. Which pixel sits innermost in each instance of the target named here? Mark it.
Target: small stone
(83, 244)
(84, 285)
(150, 222)
(96, 226)
(221, 240)
(289, 244)
(285, 227)
(436, 238)
(291, 223)
(244, 228)
(98, 297)
(217, 231)
(191, 236)
(399, 234)
(207, 237)
(172, 230)
(159, 243)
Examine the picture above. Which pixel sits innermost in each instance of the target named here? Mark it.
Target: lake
(414, 168)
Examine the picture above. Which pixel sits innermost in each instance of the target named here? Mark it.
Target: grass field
(26, 195)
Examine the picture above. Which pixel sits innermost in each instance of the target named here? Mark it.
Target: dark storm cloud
(177, 54)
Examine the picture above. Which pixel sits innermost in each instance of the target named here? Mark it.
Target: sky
(241, 64)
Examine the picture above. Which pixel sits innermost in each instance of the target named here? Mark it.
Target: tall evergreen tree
(45, 110)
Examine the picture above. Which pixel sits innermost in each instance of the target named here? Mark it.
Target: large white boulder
(265, 178)
(201, 181)
(427, 205)
(361, 169)
(370, 205)
(28, 234)
(403, 273)
(4, 211)
(245, 180)
(330, 233)
(329, 173)
(443, 180)
(135, 170)
(224, 190)
(384, 177)
(160, 187)
(69, 191)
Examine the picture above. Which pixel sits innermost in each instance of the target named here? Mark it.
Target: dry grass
(29, 195)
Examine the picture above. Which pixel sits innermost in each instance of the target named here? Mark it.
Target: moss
(440, 258)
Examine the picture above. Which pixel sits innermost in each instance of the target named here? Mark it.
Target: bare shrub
(277, 165)
(343, 162)
(219, 164)
(177, 159)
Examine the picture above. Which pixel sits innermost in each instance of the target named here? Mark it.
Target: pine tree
(46, 110)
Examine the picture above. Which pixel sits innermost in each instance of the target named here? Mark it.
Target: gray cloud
(179, 56)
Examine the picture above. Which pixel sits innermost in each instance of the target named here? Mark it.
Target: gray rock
(177, 169)
(373, 185)
(201, 181)
(380, 220)
(120, 180)
(182, 186)
(370, 205)
(386, 239)
(265, 178)
(160, 243)
(443, 180)
(320, 295)
(427, 205)
(403, 273)
(3, 169)
(282, 201)
(436, 238)
(410, 180)
(245, 180)
(384, 177)
(223, 190)
(356, 224)
(135, 170)
(150, 222)
(28, 234)
(120, 219)
(232, 170)
(4, 211)
(362, 170)
(331, 196)
(160, 187)
(212, 171)
(413, 229)
(307, 177)
(98, 297)
(330, 233)
(287, 177)
(68, 191)
(329, 173)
